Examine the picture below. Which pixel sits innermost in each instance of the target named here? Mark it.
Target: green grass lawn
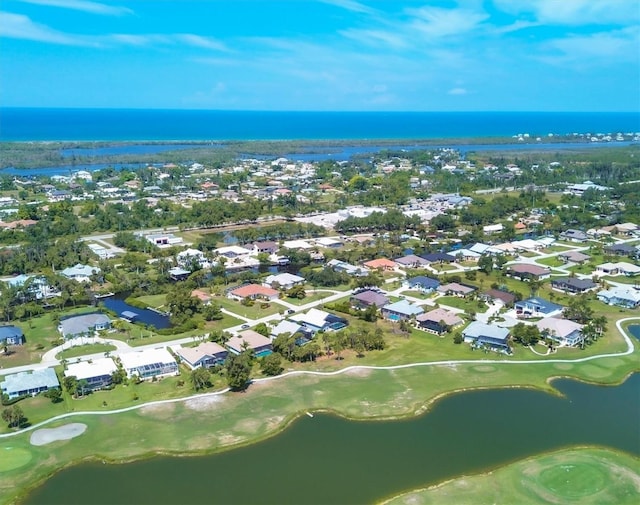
(462, 303)
(551, 262)
(253, 312)
(634, 281)
(83, 350)
(311, 297)
(418, 294)
(589, 476)
(154, 301)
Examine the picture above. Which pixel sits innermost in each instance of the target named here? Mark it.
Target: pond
(117, 304)
(327, 459)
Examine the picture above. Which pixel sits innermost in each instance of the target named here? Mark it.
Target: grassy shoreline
(227, 421)
(456, 488)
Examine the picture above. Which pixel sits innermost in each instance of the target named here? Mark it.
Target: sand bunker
(66, 432)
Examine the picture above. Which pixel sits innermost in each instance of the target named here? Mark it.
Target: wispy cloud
(389, 38)
(351, 5)
(575, 12)
(84, 6)
(457, 91)
(200, 41)
(17, 26)
(436, 22)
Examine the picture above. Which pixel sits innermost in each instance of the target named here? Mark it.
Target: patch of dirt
(162, 408)
(203, 403)
(359, 372)
(248, 426)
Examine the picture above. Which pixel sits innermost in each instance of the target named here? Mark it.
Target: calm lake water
(118, 305)
(327, 459)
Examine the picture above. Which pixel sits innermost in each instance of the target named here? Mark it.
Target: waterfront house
(342, 266)
(626, 296)
(29, 383)
(563, 331)
(254, 291)
(369, 297)
(401, 310)
(573, 285)
(204, 355)
(481, 335)
(97, 373)
(283, 281)
(11, 335)
(80, 273)
(422, 283)
(149, 363)
(250, 340)
(439, 257)
(527, 272)
(83, 325)
(266, 247)
(179, 274)
(438, 321)
(163, 240)
(536, 307)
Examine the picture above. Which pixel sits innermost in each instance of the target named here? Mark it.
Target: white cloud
(84, 6)
(17, 26)
(200, 41)
(575, 12)
(435, 22)
(351, 5)
(457, 91)
(389, 38)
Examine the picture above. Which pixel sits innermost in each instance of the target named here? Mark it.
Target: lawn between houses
(590, 476)
(210, 424)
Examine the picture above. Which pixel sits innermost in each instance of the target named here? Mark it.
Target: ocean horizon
(71, 124)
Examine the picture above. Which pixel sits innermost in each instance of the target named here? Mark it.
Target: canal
(327, 459)
(117, 304)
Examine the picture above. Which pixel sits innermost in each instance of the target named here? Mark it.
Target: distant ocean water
(34, 124)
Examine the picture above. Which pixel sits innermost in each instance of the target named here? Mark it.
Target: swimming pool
(393, 317)
(263, 353)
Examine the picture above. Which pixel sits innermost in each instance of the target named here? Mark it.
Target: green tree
(297, 292)
(201, 378)
(70, 383)
(272, 364)
(54, 394)
(238, 368)
(13, 416)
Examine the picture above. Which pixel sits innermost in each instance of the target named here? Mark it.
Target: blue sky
(547, 55)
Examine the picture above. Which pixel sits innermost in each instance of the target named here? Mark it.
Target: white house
(149, 363)
(284, 280)
(80, 273)
(97, 373)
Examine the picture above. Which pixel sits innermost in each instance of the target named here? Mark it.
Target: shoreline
(290, 418)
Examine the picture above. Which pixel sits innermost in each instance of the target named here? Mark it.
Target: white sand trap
(66, 432)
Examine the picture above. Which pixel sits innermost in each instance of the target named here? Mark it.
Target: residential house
(266, 247)
(328, 242)
(492, 228)
(466, 255)
(380, 264)
(573, 285)
(203, 296)
(626, 296)
(620, 268)
(438, 321)
(83, 325)
(456, 289)
(163, 240)
(283, 281)
(179, 274)
(29, 383)
(498, 296)
(97, 373)
(574, 257)
(204, 355)
(574, 236)
(250, 340)
(149, 363)
(11, 335)
(411, 261)
(36, 286)
(536, 307)
(254, 291)
(347, 268)
(527, 272)
(481, 335)
(401, 310)
(80, 273)
(190, 258)
(563, 331)
(439, 257)
(369, 297)
(422, 283)
(315, 320)
(621, 250)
